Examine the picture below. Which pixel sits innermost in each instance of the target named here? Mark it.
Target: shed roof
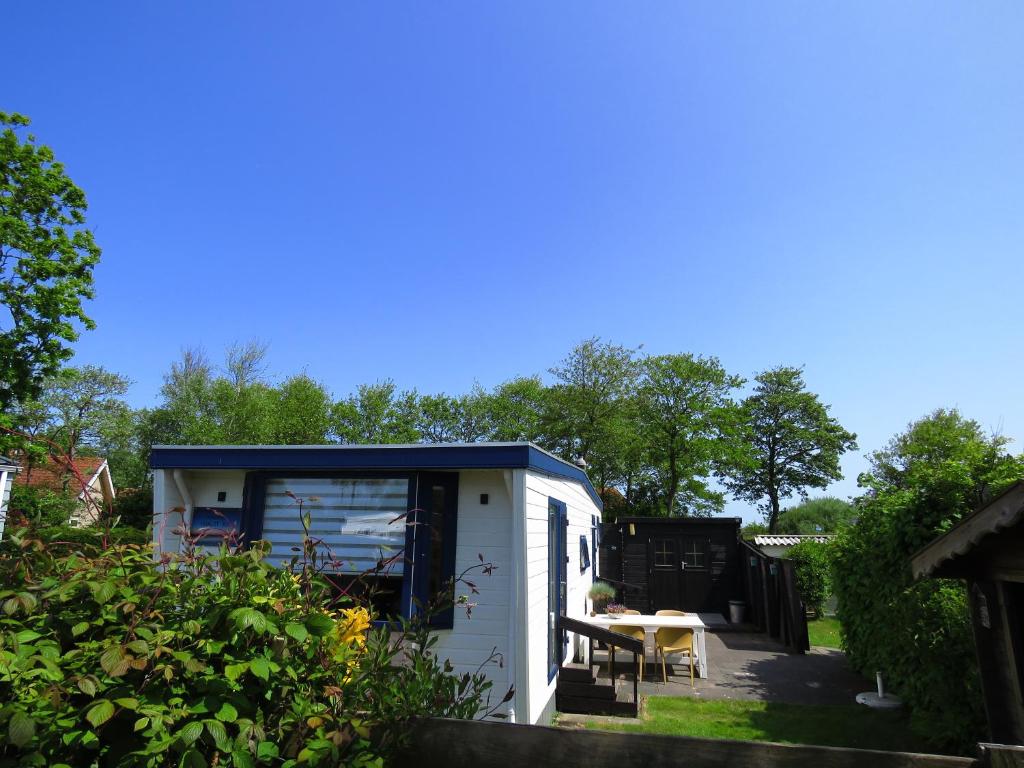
(788, 539)
(370, 457)
(6, 463)
(1005, 511)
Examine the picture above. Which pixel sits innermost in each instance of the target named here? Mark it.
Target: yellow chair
(667, 612)
(629, 630)
(674, 640)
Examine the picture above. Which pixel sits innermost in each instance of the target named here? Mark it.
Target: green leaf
(227, 713)
(319, 624)
(249, 618)
(100, 712)
(87, 686)
(190, 732)
(260, 668)
(266, 750)
(296, 632)
(21, 729)
(234, 671)
(27, 636)
(141, 723)
(113, 661)
(127, 703)
(220, 735)
(242, 759)
(79, 628)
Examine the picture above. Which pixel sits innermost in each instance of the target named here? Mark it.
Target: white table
(652, 624)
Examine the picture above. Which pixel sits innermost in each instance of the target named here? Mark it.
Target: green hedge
(917, 633)
(813, 562)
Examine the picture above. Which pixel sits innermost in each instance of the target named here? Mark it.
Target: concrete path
(751, 666)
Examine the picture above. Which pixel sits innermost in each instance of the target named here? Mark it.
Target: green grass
(824, 632)
(835, 726)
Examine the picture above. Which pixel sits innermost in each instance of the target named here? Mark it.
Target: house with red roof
(85, 477)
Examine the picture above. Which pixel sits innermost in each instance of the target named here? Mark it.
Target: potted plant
(600, 594)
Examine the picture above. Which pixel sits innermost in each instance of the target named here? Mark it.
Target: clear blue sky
(443, 193)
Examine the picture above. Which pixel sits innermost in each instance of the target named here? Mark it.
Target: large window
(390, 539)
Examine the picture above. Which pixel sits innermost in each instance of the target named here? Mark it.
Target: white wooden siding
(483, 529)
(580, 509)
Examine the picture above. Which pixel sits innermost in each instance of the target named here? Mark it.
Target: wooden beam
(472, 743)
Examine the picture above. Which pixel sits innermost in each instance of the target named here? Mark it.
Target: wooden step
(588, 706)
(576, 674)
(585, 690)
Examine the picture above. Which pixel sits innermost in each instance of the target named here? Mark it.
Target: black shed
(688, 563)
(986, 549)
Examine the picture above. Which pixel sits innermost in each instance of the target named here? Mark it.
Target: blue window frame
(558, 525)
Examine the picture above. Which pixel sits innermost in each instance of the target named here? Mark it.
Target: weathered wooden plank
(470, 744)
(586, 690)
(1002, 755)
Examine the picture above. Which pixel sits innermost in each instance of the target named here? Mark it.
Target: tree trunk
(773, 513)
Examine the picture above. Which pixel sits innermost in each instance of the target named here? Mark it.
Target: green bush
(66, 538)
(917, 634)
(813, 561)
(110, 659)
(41, 506)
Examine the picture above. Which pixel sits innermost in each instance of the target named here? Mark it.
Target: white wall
(579, 509)
(203, 485)
(482, 530)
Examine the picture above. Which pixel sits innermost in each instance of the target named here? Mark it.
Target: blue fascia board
(403, 457)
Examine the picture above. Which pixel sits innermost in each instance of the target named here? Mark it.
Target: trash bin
(736, 608)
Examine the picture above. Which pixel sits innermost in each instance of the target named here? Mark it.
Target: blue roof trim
(404, 457)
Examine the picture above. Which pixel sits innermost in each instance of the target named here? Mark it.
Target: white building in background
(531, 514)
(8, 469)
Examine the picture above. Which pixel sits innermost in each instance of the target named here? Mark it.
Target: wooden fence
(773, 599)
(476, 744)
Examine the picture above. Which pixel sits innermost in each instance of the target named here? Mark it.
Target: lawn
(824, 632)
(834, 726)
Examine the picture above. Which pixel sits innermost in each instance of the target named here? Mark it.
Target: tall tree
(682, 404)
(790, 443)
(826, 514)
(514, 409)
(302, 412)
(47, 258)
(377, 413)
(446, 419)
(585, 416)
(78, 402)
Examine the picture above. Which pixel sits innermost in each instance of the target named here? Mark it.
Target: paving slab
(753, 667)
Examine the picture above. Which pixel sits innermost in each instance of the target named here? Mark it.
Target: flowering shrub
(221, 660)
(614, 608)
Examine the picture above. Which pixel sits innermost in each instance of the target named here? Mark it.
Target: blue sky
(443, 193)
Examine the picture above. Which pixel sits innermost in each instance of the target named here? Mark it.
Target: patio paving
(749, 666)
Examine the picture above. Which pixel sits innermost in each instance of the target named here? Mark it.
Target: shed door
(666, 582)
(696, 571)
(680, 573)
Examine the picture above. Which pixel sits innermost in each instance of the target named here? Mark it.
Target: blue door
(558, 557)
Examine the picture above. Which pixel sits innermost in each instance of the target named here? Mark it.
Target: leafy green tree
(826, 514)
(514, 410)
(682, 404)
(47, 258)
(813, 561)
(377, 413)
(446, 419)
(790, 443)
(750, 530)
(302, 411)
(926, 479)
(585, 416)
(77, 401)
